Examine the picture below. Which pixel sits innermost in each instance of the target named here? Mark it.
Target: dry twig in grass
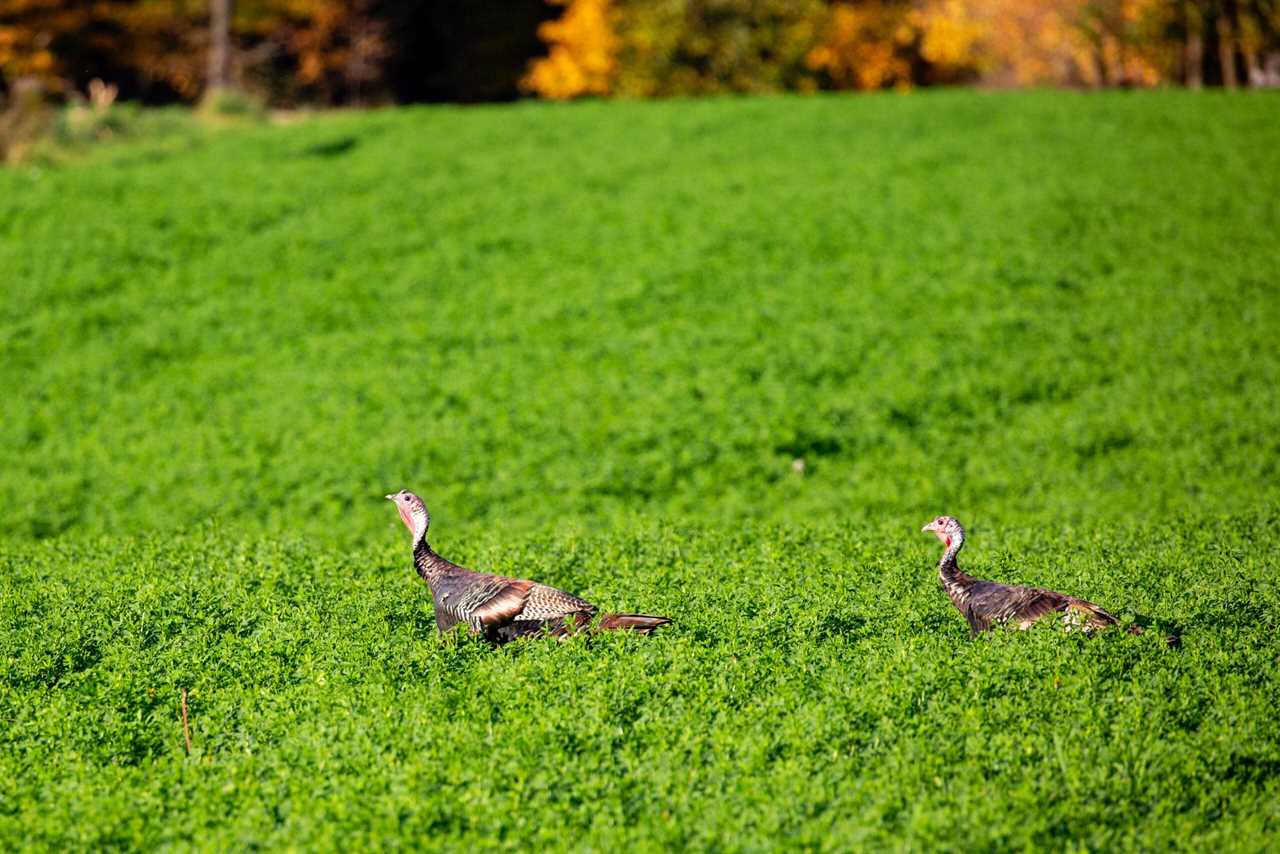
(186, 732)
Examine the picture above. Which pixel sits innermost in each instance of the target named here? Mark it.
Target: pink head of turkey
(946, 529)
(413, 512)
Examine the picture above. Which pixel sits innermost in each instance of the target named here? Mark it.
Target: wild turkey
(500, 608)
(986, 603)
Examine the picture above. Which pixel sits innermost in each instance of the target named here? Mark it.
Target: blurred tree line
(289, 52)
(661, 47)
(333, 52)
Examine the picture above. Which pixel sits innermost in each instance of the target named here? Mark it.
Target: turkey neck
(955, 582)
(429, 564)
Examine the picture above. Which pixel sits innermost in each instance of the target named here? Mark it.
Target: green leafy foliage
(717, 360)
(674, 47)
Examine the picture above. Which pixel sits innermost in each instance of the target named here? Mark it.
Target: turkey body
(496, 606)
(985, 604)
(503, 609)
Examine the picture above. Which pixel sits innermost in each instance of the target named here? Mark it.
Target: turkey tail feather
(642, 623)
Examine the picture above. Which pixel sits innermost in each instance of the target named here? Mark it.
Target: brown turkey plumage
(986, 603)
(495, 606)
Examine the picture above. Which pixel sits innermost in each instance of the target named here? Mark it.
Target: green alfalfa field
(718, 360)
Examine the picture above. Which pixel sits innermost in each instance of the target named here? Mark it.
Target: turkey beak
(927, 529)
(390, 497)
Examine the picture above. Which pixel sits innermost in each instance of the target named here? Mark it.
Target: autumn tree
(665, 47)
(582, 59)
(867, 45)
(154, 48)
(655, 47)
(713, 46)
(320, 50)
(356, 51)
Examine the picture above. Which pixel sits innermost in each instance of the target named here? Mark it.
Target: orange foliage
(1040, 42)
(26, 53)
(637, 46)
(951, 35)
(583, 55)
(164, 45)
(336, 50)
(1123, 42)
(335, 44)
(866, 45)
(34, 37)
(329, 48)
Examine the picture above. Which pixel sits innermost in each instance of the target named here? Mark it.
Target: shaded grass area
(717, 360)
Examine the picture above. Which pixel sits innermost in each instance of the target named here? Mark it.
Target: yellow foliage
(1044, 42)
(869, 44)
(950, 35)
(583, 55)
(336, 49)
(863, 45)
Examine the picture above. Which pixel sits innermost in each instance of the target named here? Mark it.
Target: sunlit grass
(718, 360)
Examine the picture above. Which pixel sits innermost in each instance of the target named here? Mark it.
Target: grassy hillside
(718, 360)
